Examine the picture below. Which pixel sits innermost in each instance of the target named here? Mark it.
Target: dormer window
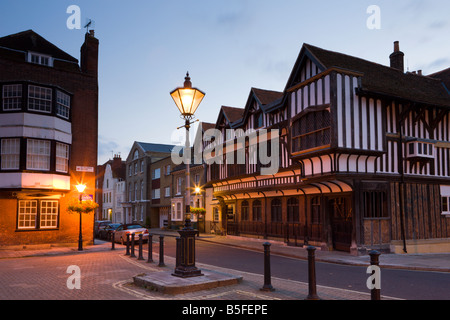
(41, 59)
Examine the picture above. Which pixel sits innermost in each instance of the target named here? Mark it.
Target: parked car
(105, 233)
(131, 228)
(100, 224)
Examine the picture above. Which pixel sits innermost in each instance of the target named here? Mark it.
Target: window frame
(40, 216)
(4, 156)
(17, 98)
(47, 157)
(318, 132)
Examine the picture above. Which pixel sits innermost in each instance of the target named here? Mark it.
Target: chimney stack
(397, 58)
(89, 54)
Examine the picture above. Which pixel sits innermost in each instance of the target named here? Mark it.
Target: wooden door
(341, 222)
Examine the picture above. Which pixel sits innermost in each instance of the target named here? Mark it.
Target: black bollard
(150, 248)
(312, 294)
(112, 240)
(127, 253)
(375, 293)
(267, 276)
(161, 251)
(132, 255)
(141, 257)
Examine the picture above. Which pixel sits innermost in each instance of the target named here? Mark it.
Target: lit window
(39, 99)
(10, 154)
(62, 157)
(49, 214)
(12, 97)
(62, 104)
(38, 154)
(27, 214)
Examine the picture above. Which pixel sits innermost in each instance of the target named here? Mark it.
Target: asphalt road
(404, 284)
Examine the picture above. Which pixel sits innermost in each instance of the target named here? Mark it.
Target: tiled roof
(31, 41)
(386, 80)
(267, 96)
(233, 114)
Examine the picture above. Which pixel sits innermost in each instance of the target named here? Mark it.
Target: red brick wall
(84, 88)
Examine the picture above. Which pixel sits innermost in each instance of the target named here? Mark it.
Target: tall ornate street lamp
(187, 100)
(80, 188)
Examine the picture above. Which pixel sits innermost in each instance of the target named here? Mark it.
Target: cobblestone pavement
(108, 275)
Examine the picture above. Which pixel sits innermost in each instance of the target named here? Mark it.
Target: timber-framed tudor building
(364, 158)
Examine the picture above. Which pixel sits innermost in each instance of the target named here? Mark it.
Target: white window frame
(179, 182)
(27, 214)
(156, 174)
(48, 215)
(167, 192)
(40, 99)
(12, 97)
(445, 196)
(38, 154)
(62, 158)
(156, 194)
(39, 58)
(62, 104)
(10, 154)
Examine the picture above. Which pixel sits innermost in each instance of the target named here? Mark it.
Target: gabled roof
(377, 78)
(31, 41)
(155, 147)
(230, 114)
(266, 97)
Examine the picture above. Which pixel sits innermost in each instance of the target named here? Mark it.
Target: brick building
(139, 182)
(48, 136)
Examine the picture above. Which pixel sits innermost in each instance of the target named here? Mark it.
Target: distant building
(161, 187)
(138, 203)
(112, 192)
(48, 136)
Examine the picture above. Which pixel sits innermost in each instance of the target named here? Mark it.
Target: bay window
(10, 154)
(39, 99)
(12, 97)
(38, 155)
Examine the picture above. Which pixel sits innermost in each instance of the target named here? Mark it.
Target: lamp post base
(185, 267)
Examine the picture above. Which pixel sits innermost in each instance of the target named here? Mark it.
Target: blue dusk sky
(146, 47)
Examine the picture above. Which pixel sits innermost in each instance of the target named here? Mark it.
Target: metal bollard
(375, 294)
(267, 276)
(141, 257)
(150, 248)
(127, 253)
(161, 251)
(312, 288)
(113, 240)
(132, 255)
